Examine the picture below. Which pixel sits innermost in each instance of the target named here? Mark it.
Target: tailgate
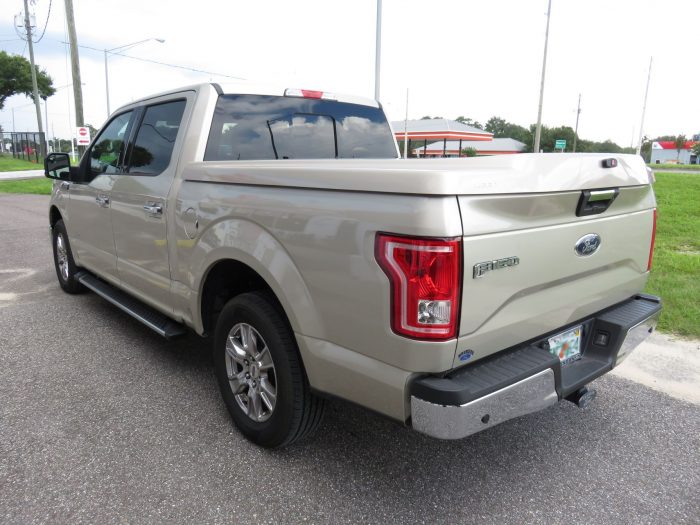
(550, 285)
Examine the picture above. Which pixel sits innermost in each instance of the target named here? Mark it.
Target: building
(427, 131)
(665, 151)
(452, 148)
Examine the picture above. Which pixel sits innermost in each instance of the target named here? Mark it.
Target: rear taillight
(653, 240)
(425, 277)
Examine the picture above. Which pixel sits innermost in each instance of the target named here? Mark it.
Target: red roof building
(665, 151)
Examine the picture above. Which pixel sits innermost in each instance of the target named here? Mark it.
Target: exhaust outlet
(582, 397)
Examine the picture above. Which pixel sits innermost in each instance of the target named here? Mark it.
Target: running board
(153, 319)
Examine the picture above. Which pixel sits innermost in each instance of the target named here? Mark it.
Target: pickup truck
(447, 294)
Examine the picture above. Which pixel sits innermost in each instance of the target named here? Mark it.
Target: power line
(166, 64)
(23, 36)
(47, 22)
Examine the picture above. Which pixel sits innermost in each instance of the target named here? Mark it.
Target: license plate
(566, 345)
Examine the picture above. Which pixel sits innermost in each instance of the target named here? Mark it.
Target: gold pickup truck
(448, 294)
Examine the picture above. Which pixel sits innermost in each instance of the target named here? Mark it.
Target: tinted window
(155, 140)
(312, 136)
(105, 155)
(256, 127)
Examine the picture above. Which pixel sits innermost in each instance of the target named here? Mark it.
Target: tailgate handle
(593, 202)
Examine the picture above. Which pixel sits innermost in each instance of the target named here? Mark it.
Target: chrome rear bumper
(636, 335)
(454, 422)
(480, 396)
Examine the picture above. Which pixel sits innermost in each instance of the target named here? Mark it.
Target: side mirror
(57, 166)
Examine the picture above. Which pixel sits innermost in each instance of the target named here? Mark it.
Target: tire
(268, 396)
(63, 260)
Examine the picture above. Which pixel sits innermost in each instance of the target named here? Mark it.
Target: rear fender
(250, 244)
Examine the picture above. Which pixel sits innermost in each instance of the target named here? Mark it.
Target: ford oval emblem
(587, 245)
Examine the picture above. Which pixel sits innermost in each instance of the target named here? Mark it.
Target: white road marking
(21, 273)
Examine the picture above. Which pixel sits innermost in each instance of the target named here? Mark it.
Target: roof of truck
(254, 88)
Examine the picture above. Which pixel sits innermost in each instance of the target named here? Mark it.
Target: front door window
(107, 152)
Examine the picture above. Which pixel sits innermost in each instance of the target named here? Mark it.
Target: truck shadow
(369, 469)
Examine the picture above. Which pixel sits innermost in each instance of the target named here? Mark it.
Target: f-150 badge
(481, 268)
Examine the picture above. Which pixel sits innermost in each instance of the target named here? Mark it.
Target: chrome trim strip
(86, 283)
(636, 335)
(532, 394)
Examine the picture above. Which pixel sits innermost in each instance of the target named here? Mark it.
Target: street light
(122, 48)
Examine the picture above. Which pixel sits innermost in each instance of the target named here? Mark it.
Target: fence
(29, 146)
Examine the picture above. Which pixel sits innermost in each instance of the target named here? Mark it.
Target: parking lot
(103, 421)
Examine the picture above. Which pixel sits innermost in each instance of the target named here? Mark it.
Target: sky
(456, 57)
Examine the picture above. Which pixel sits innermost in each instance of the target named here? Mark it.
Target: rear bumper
(528, 378)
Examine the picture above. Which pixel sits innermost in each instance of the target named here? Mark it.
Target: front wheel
(260, 373)
(66, 269)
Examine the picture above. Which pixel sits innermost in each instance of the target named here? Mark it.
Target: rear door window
(155, 139)
(259, 127)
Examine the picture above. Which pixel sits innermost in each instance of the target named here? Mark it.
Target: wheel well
(54, 216)
(225, 280)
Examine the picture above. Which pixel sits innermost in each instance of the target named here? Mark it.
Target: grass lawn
(7, 163)
(40, 186)
(694, 167)
(675, 274)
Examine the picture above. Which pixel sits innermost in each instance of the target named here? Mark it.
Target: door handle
(102, 200)
(593, 202)
(153, 208)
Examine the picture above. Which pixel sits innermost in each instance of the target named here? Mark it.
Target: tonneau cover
(503, 174)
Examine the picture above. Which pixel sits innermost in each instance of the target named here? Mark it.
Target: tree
(469, 152)
(496, 125)
(93, 130)
(16, 78)
(501, 128)
(469, 122)
(696, 151)
(679, 144)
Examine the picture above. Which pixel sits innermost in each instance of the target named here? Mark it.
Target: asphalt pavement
(102, 421)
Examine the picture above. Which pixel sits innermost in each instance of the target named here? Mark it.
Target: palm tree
(679, 142)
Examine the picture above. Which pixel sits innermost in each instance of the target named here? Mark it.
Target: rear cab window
(261, 127)
(153, 147)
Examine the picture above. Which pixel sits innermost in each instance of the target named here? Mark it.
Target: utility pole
(46, 120)
(75, 67)
(644, 110)
(538, 129)
(405, 130)
(578, 112)
(35, 87)
(378, 51)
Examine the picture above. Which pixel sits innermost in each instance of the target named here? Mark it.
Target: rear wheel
(261, 375)
(66, 269)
